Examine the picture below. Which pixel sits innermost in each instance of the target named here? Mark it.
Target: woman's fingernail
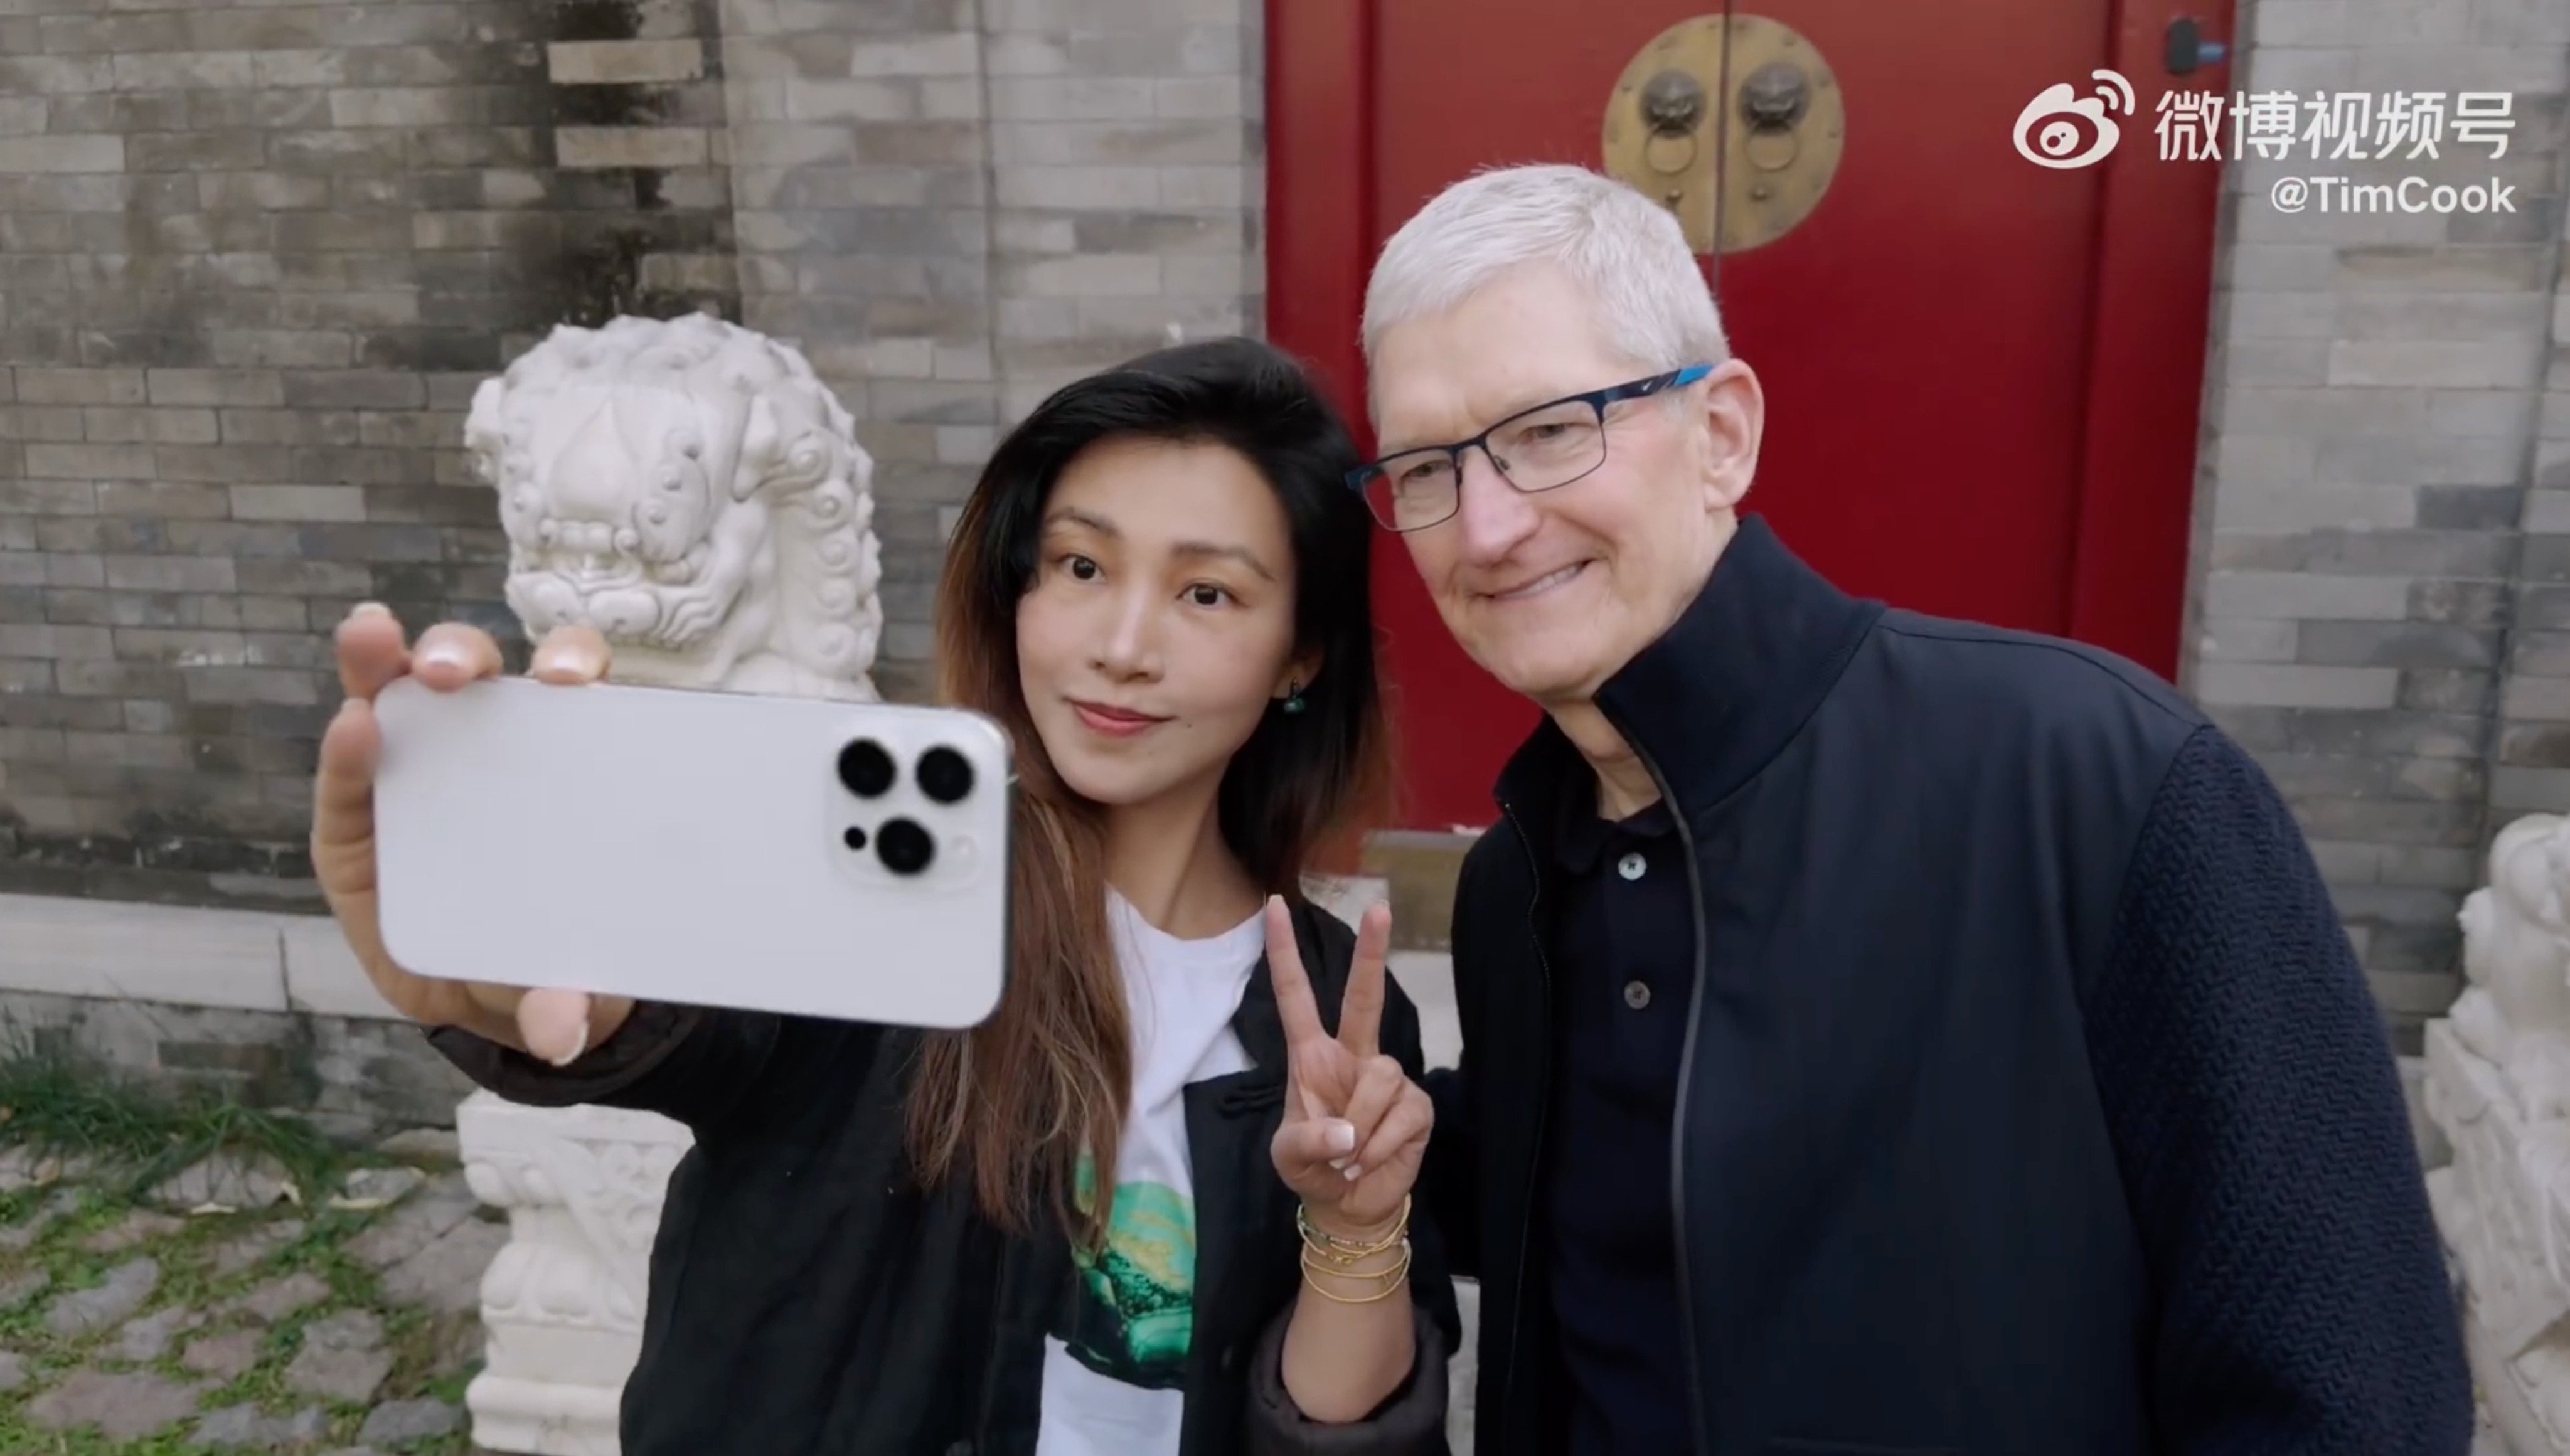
(568, 662)
(443, 654)
(1343, 1137)
(577, 1047)
(370, 609)
(1354, 1173)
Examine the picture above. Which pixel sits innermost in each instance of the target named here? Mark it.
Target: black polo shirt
(1622, 958)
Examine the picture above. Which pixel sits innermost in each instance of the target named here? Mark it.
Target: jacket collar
(1714, 698)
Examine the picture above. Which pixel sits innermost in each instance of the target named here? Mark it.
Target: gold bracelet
(1333, 1245)
(1374, 1298)
(1312, 1234)
(1347, 1262)
(1390, 1278)
(1343, 1268)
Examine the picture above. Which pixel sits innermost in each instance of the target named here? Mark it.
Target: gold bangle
(1312, 1234)
(1343, 1268)
(1351, 1255)
(1372, 1298)
(1385, 1277)
(1391, 1279)
(1331, 1243)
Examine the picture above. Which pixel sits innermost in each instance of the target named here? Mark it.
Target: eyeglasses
(1533, 450)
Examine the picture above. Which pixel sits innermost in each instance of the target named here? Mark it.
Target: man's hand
(555, 1025)
(1355, 1124)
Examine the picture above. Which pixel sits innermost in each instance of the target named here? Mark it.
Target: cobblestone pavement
(229, 1311)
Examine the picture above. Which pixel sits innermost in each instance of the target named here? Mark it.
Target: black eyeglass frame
(1597, 399)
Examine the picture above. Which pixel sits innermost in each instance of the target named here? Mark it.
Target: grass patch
(52, 1105)
(116, 1142)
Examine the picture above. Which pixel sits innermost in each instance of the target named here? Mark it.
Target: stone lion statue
(2515, 1009)
(694, 492)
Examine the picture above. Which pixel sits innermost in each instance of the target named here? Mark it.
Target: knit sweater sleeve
(2300, 1303)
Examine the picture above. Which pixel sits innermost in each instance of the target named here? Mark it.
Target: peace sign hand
(1355, 1124)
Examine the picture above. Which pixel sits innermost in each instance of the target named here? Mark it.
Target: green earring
(1294, 700)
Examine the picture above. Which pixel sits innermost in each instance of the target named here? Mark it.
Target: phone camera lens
(905, 846)
(855, 836)
(866, 768)
(945, 775)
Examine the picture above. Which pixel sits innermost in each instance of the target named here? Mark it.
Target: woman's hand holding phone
(555, 1025)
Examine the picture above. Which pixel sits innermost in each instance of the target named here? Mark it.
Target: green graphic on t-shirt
(1134, 1311)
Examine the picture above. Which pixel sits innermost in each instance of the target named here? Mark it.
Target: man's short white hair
(1626, 251)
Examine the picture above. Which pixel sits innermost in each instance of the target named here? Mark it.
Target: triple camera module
(869, 771)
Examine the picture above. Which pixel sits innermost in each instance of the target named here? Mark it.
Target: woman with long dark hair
(1158, 1204)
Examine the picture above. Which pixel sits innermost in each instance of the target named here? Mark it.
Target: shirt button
(1632, 866)
(1637, 994)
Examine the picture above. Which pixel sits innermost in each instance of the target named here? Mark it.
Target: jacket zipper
(1686, 1074)
(1543, 1098)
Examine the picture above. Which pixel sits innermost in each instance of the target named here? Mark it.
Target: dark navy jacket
(2033, 1102)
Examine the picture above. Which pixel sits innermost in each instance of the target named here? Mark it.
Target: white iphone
(825, 858)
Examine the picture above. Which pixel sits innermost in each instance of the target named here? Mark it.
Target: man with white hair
(1925, 1037)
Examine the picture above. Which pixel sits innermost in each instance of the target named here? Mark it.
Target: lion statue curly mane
(692, 489)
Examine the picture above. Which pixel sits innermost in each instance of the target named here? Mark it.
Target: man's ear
(1735, 416)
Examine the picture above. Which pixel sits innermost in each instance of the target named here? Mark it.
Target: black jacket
(2034, 1105)
(807, 1299)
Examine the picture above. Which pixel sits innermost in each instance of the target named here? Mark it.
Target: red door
(1980, 373)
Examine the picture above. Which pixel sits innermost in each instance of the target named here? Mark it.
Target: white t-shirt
(1115, 1367)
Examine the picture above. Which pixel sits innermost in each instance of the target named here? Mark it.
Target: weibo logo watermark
(2062, 128)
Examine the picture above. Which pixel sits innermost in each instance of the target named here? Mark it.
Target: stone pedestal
(561, 1304)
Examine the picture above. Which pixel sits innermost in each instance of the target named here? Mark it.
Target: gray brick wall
(954, 208)
(2376, 612)
(254, 260)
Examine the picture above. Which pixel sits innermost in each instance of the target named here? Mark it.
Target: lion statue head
(2516, 944)
(690, 489)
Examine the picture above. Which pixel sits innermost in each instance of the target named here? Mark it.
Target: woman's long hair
(1017, 1101)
